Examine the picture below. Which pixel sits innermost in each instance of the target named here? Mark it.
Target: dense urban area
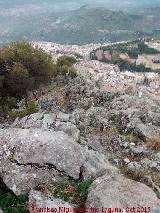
(144, 81)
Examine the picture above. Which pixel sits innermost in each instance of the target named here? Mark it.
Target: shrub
(30, 109)
(24, 67)
(64, 66)
(154, 144)
(7, 103)
(63, 190)
(9, 202)
(19, 81)
(75, 192)
(120, 130)
(83, 187)
(66, 60)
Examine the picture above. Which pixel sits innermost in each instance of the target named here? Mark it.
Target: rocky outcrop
(79, 130)
(30, 157)
(25, 150)
(139, 115)
(50, 121)
(144, 131)
(117, 191)
(39, 200)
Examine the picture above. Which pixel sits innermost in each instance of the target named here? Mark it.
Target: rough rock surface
(30, 147)
(117, 191)
(42, 156)
(79, 130)
(140, 115)
(50, 121)
(40, 200)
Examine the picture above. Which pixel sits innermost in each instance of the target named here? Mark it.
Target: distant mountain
(81, 26)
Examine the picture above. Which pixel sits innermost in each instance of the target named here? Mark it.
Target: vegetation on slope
(9, 202)
(132, 49)
(74, 192)
(24, 68)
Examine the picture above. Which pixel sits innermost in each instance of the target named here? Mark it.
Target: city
(110, 76)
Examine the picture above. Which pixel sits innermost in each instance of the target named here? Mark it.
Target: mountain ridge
(81, 26)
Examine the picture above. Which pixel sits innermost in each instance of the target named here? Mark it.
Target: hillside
(93, 140)
(135, 56)
(81, 26)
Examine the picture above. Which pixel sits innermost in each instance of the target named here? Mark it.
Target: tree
(19, 81)
(24, 67)
(66, 60)
(38, 63)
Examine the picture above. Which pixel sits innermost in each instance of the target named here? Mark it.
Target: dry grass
(132, 138)
(74, 192)
(61, 190)
(154, 144)
(140, 174)
(135, 175)
(156, 178)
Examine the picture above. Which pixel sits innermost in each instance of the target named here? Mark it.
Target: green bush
(30, 109)
(10, 203)
(66, 60)
(61, 190)
(83, 187)
(23, 67)
(75, 192)
(7, 103)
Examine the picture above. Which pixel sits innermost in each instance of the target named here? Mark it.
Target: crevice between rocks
(48, 166)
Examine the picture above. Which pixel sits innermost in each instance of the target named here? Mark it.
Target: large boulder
(39, 200)
(139, 115)
(113, 191)
(97, 165)
(31, 121)
(50, 121)
(144, 131)
(29, 157)
(69, 128)
(33, 154)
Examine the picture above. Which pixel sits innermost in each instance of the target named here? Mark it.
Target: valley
(79, 106)
(108, 74)
(78, 26)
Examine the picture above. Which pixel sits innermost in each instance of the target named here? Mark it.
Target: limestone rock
(36, 120)
(29, 148)
(117, 191)
(139, 150)
(145, 131)
(69, 128)
(50, 121)
(40, 200)
(97, 165)
(156, 210)
(64, 117)
(29, 157)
